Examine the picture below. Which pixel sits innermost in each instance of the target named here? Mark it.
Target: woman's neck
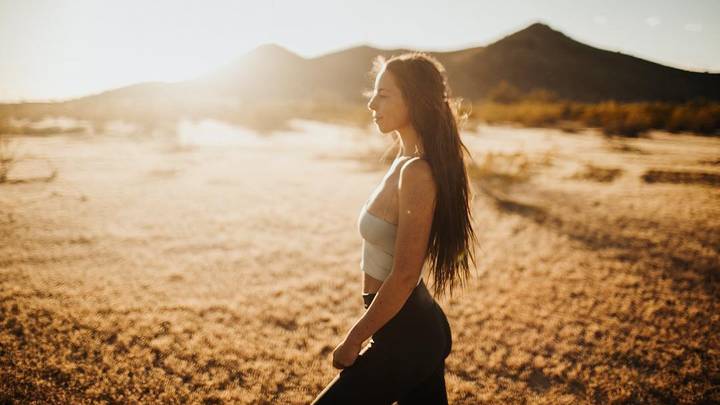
(410, 142)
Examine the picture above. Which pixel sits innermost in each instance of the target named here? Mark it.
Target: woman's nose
(370, 104)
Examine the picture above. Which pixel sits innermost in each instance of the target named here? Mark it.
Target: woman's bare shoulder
(417, 173)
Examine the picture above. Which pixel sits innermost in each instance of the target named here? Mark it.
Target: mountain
(540, 57)
(537, 57)
(268, 71)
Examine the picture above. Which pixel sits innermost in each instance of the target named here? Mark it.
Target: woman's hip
(420, 321)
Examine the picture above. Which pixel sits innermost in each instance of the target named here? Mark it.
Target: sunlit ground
(215, 265)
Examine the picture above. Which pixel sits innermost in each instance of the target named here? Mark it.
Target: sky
(53, 50)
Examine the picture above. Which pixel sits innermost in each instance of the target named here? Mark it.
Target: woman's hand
(345, 354)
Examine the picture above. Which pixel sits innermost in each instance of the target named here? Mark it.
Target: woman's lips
(376, 119)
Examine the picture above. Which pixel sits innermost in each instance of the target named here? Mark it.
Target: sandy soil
(218, 266)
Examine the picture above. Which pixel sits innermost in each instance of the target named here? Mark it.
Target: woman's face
(387, 104)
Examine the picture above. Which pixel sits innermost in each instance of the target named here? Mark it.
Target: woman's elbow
(407, 276)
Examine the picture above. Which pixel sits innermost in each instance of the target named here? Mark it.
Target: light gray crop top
(378, 245)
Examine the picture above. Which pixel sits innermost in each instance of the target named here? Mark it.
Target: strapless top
(378, 245)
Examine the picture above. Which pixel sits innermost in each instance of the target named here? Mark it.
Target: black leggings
(404, 361)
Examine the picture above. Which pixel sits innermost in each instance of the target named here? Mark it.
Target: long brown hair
(423, 82)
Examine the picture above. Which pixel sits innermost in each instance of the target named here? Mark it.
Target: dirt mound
(666, 176)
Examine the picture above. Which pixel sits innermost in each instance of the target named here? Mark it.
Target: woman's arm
(416, 200)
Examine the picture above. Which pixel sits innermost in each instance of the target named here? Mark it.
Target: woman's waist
(371, 285)
(419, 296)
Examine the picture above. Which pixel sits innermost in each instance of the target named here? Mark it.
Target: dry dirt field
(215, 266)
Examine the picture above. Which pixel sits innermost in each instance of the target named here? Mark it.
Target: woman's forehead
(384, 81)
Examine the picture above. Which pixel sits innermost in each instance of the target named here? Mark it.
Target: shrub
(7, 157)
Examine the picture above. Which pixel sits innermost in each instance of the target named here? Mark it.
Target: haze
(53, 50)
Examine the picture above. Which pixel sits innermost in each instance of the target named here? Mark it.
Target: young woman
(418, 214)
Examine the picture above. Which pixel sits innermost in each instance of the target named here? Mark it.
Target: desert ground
(212, 264)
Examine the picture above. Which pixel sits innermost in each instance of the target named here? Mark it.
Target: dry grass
(8, 157)
(668, 176)
(263, 117)
(161, 270)
(535, 109)
(597, 173)
(613, 118)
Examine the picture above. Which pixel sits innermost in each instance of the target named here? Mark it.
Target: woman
(418, 214)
